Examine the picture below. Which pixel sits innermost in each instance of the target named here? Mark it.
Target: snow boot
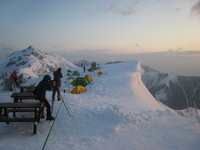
(50, 117)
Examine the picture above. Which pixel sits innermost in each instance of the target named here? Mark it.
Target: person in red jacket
(14, 77)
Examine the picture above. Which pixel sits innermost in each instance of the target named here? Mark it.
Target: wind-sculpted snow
(111, 117)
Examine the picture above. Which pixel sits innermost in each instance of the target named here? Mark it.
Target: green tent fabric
(76, 73)
(69, 74)
(69, 71)
(93, 68)
(80, 81)
(70, 78)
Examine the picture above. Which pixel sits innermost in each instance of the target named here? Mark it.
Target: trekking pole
(65, 105)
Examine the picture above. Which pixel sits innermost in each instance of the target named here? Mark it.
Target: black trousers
(44, 103)
(56, 89)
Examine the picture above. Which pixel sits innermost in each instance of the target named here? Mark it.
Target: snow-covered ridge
(142, 94)
(32, 62)
(116, 113)
(133, 85)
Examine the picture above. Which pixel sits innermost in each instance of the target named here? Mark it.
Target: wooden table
(25, 95)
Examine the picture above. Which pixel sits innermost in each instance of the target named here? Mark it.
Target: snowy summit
(116, 113)
(32, 62)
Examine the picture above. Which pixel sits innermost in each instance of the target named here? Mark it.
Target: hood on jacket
(47, 77)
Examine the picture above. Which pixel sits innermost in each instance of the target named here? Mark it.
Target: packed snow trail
(117, 112)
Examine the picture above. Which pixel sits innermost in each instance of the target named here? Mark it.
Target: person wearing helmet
(40, 92)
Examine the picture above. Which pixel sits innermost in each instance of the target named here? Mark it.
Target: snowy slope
(116, 113)
(32, 62)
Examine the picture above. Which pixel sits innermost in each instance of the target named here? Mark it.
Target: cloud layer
(195, 10)
(125, 11)
(5, 50)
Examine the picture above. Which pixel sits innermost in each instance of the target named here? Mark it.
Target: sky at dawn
(116, 25)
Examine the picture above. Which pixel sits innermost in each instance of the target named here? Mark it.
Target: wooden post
(35, 123)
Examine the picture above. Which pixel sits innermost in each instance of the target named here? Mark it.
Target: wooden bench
(28, 89)
(6, 108)
(25, 95)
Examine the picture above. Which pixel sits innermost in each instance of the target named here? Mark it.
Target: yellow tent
(78, 89)
(88, 78)
(100, 73)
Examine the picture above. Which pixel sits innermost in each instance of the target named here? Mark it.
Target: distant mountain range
(177, 92)
(32, 62)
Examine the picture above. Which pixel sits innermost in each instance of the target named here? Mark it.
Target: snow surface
(116, 113)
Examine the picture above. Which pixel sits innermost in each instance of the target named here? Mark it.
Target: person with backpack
(40, 92)
(57, 79)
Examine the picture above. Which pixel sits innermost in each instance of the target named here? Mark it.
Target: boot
(50, 117)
